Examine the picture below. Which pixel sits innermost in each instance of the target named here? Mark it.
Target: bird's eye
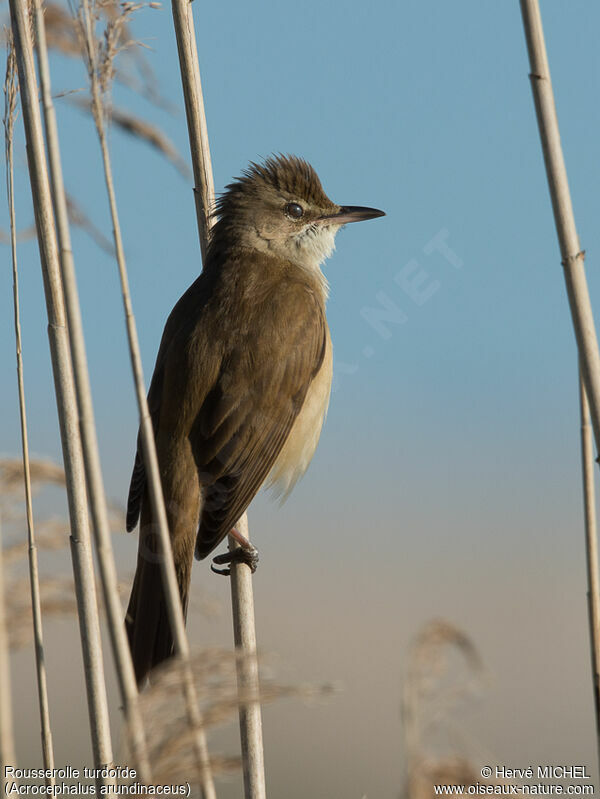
(294, 210)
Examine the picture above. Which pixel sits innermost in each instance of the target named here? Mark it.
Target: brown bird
(242, 379)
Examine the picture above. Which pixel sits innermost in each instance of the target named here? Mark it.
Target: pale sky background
(447, 480)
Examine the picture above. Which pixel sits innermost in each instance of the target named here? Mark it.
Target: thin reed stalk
(93, 471)
(591, 549)
(65, 394)
(571, 253)
(241, 577)
(244, 635)
(10, 98)
(146, 429)
(204, 189)
(7, 740)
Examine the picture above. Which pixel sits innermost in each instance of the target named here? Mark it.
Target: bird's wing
(246, 417)
(137, 486)
(179, 319)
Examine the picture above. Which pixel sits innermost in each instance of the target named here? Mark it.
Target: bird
(241, 383)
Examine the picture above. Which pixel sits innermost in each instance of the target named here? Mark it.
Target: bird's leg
(245, 553)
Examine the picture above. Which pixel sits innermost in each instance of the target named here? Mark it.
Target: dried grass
(57, 600)
(52, 535)
(61, 30)
(99, 54)
(12, 491)
(57, 594)
(444, 669)
(449, 771)
(170, 737)
(10, 89)
(62, 35)
(42, 472)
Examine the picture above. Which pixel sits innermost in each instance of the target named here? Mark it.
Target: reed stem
(34, 580)
(65, 394)
(7, 740)
(93, 471)
(169, 577)
(591, 549)
(572, 257)
(241, 577)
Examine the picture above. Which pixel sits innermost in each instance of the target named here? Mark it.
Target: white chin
(316, 245)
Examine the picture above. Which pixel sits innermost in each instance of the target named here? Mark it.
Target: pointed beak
(351, 213)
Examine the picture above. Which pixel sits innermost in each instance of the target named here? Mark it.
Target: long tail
(147, 620)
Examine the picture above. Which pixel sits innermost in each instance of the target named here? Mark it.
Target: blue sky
(448, 470)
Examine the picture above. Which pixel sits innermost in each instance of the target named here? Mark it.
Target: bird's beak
(351, 213)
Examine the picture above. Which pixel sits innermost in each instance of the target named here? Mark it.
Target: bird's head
(279, 207)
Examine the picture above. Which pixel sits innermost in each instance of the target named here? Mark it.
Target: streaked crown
(287, 175)
(279, 208)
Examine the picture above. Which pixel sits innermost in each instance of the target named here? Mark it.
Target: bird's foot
(245, 553)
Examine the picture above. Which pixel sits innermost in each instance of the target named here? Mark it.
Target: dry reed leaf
(141, 129)
(146, 87)
(153, 136)
(27, 234)
(79, 218)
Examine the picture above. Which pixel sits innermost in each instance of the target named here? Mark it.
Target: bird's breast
(300, 445)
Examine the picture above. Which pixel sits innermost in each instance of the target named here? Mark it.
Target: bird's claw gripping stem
(245, 553)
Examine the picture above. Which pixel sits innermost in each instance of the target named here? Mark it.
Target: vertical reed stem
(571, 253)
(34, 582)
(242, 601)
(241, 576)
(93, 471)
(65, 394)
(7, 742)
(591, 550)
(204, 190)
(572, 260)
(169, 577)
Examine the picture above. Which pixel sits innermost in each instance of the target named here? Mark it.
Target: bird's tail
(147, 620)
